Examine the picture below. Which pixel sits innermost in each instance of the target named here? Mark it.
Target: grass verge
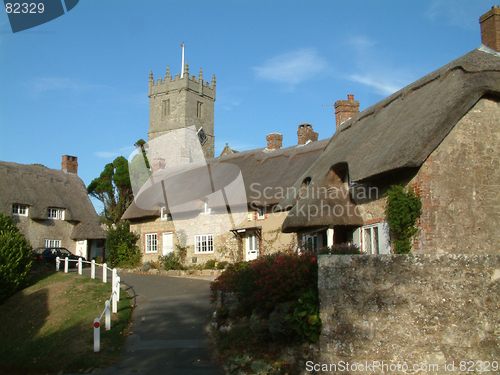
(48, 327)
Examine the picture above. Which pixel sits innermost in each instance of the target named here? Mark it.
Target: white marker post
(104, 273)
(92, 269)
(97, 335)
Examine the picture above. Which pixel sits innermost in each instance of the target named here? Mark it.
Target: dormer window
(20, 210)
(206, 208)
(261, 213)
(165, 215)
(55, 213)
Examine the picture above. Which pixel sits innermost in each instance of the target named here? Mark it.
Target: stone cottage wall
(459, 185)
(412, 309)
(36, 231)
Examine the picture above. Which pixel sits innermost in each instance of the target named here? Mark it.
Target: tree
(15, 258)
(121, 245)
(113, 189)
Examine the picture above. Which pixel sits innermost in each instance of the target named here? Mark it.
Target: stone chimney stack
(490, 28)
(274, 141)
(306, 133)
(69, 164)
(345, 109)
(158, 164)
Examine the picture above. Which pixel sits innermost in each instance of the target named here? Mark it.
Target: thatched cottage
(267, 174)
(51, 207)
(439, 135)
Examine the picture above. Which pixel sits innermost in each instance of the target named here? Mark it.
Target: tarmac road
(168, 331)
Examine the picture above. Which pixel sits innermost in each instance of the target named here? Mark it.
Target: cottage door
(252, 246)
(168, 243)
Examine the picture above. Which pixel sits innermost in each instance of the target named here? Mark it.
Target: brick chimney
(490, 28)
(158, 163)
(274, 141)
(306, 133)
(69, 164)
(345, 109)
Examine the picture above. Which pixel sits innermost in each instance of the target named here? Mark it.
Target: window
(55, 213)
(206, 208)
(198, 109)
(151, 243)
(202, 136)
(51, 243)
(204, 243)
(261, 213)
(20, 210)
(373, 238)
(370, 239)
(165, 107)
(165, 215)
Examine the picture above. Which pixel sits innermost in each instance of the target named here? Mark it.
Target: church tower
(180, 102)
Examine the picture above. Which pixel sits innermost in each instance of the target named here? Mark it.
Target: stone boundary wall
(413, 309)
(177, 273)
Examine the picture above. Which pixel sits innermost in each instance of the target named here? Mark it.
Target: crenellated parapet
(178, 83)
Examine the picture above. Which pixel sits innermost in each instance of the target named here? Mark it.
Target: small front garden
(264, 309)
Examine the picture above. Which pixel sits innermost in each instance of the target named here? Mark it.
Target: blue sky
(78, 85)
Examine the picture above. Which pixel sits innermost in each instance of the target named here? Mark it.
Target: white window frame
(206, 208)
(20, 209)
(204, 244)
(47, 242)
(382, 238)
(165, 215)
(151, 243)
(261, 213)
(55, 213)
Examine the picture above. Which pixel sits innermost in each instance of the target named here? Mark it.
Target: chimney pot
(345, 109)
(306, 133)
(274, 141)
(490, 28)
(158, 164)
(69, 164)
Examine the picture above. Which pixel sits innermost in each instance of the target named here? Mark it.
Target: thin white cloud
(374, 68)
(293, 67)
(41, 85)
(110, 155)
(456, 13)
(360, 43)
(382, 87)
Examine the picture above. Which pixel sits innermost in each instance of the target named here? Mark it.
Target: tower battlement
(181, 102)
(176, 83)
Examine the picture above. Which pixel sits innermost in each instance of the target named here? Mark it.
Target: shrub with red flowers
(269, 280)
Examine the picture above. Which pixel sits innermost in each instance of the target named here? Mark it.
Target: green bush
(403, 209)
(15, 258)
(210, 264)
(269, 280)
(305, 318)
(222, 265)
(121, 245)
(171, 261)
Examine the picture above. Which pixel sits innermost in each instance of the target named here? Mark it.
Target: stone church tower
(180, 102)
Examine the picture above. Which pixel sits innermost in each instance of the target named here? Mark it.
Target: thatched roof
(266, 175)
(402, 130)
(40, 188)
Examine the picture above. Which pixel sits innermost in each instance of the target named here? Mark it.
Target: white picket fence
(110, 305)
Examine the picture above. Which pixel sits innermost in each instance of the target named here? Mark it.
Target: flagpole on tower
(182, 66)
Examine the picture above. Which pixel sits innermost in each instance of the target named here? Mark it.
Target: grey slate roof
(40, 188)
(402, 130)
(260, 168)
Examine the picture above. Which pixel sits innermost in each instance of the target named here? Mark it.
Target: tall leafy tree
(113, 189)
